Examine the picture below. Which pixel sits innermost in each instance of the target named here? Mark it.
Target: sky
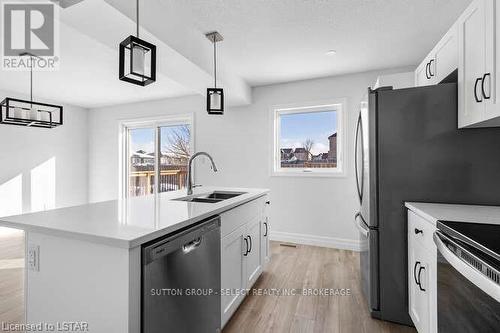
(298, 127)
(143, 138)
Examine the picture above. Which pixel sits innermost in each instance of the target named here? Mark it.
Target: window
(156, 154)
(308, 140)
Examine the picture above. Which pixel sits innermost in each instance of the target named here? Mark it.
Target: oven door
(468, 300)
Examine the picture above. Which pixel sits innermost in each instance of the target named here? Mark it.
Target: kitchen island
(83, 263)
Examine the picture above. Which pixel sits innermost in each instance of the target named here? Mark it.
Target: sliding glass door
(157, 154)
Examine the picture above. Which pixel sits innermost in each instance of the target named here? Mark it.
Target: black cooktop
(484, 237)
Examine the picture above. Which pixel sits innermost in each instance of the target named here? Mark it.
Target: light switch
(34, 257)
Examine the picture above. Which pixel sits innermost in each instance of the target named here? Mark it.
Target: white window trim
(340, 105)
(146, 122)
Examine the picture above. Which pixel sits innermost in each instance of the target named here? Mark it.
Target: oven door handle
(469, 272)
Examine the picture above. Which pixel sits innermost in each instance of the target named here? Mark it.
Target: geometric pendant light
(14, 111)
(137, 58)
(215, 96)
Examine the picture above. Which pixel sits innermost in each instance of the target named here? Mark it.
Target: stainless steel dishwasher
(181, 279)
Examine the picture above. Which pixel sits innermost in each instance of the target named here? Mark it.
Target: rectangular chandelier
(137, 61)
(28, 113)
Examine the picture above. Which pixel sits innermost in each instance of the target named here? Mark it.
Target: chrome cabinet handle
(268, 202)
(246, 247)
(475, 90)
(265, 234)
(487, 75)
(418, 231)
(420, 282)
(251, 244)
(427, 71)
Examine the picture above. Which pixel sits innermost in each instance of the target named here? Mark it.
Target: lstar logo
(29, 28)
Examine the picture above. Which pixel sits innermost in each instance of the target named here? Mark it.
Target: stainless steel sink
(212, 197)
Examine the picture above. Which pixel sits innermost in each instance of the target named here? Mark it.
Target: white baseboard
(331, 242)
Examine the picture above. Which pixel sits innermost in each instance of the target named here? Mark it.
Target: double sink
(212, 197)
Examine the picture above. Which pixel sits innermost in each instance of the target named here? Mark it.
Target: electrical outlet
(34, 257)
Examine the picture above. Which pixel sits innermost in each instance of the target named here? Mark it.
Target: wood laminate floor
(290, 268)
(11, 276)
(309, 267)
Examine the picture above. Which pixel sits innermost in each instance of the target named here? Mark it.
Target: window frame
(148, 122)
(339, 105)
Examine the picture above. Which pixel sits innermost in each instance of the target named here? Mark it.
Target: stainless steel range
(468, 277)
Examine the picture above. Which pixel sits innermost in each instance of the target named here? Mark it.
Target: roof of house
(300, 150)
(287, 150)
(333, 135)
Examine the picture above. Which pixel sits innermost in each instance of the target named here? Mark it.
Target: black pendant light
(215, 96)
(14, 111)
(137, 58)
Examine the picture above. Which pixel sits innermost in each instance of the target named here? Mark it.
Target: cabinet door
(233, 272)
(253, 255)
(417, 268)
(474, 61)
(445, 56)
(421, 74)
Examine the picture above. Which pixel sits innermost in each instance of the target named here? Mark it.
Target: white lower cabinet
(252, 255)
(422, 277)
(233, 272)
(244, 251)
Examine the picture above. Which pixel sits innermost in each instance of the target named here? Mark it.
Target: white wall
(308, 210)
(44, 167)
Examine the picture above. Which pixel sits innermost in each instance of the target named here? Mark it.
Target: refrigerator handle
(359, 127)
(360, 224)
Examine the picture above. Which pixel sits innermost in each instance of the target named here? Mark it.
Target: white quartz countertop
(434, 212)
(130, 222)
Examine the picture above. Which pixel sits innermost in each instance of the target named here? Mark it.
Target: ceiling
(270, 41)
(265, 42)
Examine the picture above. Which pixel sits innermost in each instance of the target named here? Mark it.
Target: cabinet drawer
(421, 231)
(236, 217)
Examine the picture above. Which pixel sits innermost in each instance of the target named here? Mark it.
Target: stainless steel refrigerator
(408, 148)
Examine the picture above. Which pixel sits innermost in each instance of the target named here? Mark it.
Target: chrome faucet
(190, 176)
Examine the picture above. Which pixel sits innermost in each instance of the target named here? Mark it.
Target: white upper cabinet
(440, 62)
(476, 63)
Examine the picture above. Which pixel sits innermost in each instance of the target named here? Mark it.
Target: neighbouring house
(301, 154)
(332, 153)
(140, 157)
(321, 157)
(286, 154)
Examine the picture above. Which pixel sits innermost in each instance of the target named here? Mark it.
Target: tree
(308, 144)
(178, 143)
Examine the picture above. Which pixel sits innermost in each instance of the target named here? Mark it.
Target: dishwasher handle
(191, 246)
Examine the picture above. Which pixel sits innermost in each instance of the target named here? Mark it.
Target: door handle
(359, 185)
(487, 75)
(431, 74)
(360, 227)
(265, 234)
(417, 263)
(475, 90)
(419, 282)
(427, 71)
(246, 247)
(251, 244)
